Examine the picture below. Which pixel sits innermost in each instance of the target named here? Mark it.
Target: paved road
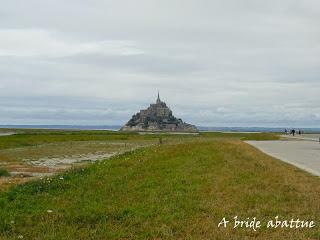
(308, 137)
(303, 154)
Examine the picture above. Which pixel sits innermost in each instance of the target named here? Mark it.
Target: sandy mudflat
(6, 133)
(303, 154)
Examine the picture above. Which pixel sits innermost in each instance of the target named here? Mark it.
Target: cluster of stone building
(157, 117)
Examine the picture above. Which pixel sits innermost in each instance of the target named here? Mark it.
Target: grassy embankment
(170, 191)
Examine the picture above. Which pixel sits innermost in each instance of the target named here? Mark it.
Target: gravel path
(303, 154)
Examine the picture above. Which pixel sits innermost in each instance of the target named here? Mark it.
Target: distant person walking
(293, 132)
(299, 132)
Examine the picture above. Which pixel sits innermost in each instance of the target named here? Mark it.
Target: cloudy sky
(215, 63)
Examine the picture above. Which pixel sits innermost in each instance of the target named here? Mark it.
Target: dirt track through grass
(38, 153)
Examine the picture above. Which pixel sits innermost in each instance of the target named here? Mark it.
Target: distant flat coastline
(63, 127)
(117, 127)
(255, 129)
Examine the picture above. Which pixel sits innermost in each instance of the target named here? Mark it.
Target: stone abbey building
(157, 117)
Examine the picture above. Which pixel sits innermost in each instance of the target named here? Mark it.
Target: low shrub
(4, 173)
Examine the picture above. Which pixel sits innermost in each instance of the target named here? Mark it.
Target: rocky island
(157, 117)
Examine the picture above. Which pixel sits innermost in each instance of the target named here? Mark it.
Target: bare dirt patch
(27, 163)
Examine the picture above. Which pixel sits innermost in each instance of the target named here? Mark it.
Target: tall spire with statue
(158, 99)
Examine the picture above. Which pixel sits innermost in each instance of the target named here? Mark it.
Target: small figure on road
(293, 132)
(299, 132)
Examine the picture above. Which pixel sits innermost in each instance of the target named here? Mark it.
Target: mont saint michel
(157, 117)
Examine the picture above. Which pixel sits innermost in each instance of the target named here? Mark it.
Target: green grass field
(180, 189)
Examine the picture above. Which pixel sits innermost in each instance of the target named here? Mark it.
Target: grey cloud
(215, 62)
(145, 63)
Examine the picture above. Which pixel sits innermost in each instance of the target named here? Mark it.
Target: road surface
(303, 154)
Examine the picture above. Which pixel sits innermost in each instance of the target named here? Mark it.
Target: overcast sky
(215, 63)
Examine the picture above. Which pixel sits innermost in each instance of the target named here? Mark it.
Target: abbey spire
(158, 99)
